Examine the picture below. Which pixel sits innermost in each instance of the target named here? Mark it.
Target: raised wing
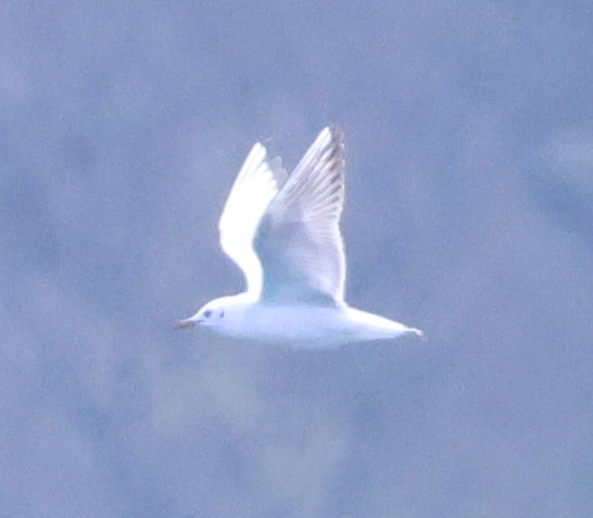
(298, 240)
(256, 185)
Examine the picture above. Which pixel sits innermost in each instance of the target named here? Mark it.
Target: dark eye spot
(221, 314)
(207, 313)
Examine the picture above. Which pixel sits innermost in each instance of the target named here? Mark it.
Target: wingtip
(335, 131)
(335, 128)
(420, 334)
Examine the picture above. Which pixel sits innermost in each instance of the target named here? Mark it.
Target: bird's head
(210, 315)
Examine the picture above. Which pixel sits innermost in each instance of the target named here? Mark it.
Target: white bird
(283, 232)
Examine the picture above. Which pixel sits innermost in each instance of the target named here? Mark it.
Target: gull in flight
(283, 232)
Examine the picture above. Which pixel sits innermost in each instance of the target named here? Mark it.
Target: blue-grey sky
(469, 214)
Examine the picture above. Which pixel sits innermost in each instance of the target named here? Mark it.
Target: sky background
(469, 215)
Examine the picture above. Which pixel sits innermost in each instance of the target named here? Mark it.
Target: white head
(222, 314)
(210, 315)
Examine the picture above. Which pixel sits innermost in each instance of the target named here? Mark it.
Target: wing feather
(298, 240)
(255, 187)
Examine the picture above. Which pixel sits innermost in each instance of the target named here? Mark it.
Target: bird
(283, 232)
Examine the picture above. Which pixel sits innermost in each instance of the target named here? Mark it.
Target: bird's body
(283, 232)
(300, 325)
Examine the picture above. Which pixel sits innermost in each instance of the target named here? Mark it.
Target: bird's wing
(298, 240)
(256, 185)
